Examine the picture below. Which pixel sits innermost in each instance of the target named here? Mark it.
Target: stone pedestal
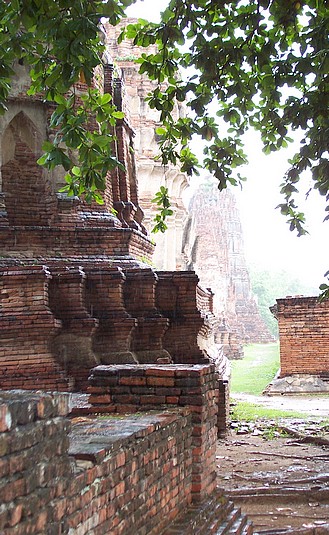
(176, 300)
(27, 327)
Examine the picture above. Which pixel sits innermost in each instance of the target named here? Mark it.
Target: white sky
(268, 242)
(147, 9)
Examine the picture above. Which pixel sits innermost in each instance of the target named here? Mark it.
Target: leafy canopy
(264, 63)
(61, 42)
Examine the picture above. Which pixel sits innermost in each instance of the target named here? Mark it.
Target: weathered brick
(152, 400)
(304, 348)
(132, 381)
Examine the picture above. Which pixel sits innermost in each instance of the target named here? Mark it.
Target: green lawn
(256, 370)
(250, 412)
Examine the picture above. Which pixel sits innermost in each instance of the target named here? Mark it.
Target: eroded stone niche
(26, 187)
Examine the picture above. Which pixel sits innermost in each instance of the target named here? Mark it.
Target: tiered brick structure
(75, 289)
(76, 295)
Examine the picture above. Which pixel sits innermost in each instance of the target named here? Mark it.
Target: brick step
(318, 530)
(214, 516)
(241, 526)
(235, 524)
(299, 495)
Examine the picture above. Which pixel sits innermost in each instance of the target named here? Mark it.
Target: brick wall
(136, 388)
(223, 416)
(128, 476)
(304, 335)
(73, 242)
(61, 320)
(137, 474)
(34, 462)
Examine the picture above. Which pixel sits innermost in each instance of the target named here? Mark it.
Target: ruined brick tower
(195, 235)
(213, 245)
(75, 290)
(151, 173)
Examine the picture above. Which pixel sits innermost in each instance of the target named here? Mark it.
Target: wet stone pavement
(280, 482)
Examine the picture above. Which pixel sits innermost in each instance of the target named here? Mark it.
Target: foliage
(264, 63)
(271, 285)
(256, 370)
(324, 288)
(162, 200)
(61, 43)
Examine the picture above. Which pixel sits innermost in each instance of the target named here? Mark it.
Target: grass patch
(256, 370)
(249, 412)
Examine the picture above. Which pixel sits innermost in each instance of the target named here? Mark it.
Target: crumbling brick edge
(132, 468)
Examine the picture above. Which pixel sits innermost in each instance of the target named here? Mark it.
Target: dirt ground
(282, 483)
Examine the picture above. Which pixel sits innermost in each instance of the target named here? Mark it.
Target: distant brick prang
(213, 244)
(304, 335)
(145, 387)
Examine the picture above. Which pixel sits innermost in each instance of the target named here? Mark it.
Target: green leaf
(76, 171)
(106, 98)
(118, 114)
(160, 131)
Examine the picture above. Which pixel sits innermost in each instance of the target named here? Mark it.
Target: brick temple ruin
(113, 388)
(304, 346)
(77, 289)
(207, 238)
(213, 244)
(132, 449)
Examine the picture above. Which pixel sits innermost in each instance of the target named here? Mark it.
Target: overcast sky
(268, 241)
